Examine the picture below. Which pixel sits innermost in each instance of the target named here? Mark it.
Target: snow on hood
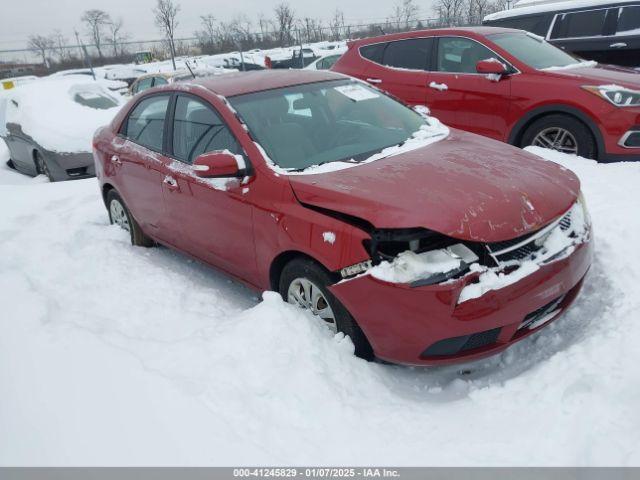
(47, 113)
(466, 186)
(582, 64)
(598, 74)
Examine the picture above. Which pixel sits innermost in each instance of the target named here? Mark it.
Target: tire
(119, 215)
(306, 269)
(11, 165)
(42, 167)
(578, 139)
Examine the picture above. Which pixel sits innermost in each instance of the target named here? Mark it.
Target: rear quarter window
(373, 52)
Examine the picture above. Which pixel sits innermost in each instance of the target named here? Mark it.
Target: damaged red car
(424, 244)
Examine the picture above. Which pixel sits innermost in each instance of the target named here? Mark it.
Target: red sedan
(509, 85)
(423, 244)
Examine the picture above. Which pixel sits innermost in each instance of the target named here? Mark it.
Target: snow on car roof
(530, 7)
(256, 81)
(47, 112)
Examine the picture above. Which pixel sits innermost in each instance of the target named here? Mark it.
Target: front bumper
(402, 322)
(70, 166)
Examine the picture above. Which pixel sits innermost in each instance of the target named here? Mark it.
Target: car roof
(474, 31)
(231, 84)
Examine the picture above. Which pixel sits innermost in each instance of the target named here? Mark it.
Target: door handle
(170, 182)
(618, 45)
(439, 86)
(374, 80)
(116, 160)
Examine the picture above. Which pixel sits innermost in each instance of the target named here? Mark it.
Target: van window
(589, 23)
(537, 24)
(629, 21)
(414, 54)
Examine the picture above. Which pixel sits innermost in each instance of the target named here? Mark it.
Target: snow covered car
(145, 82)
(48, 125)
(424, 244)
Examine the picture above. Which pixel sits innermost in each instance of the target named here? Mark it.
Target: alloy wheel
(307, 295)
(119, 215)
(556, 138)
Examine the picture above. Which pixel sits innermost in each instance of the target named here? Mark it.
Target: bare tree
(336, 24)
(59, 42)
(285, 19)
(165, 15)
(450, 12)
(405, 13)
(116, 36)
(41, 44)
(96, 20)
(207, 34)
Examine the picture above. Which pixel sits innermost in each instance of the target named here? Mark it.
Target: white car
(324, 63)
(48, 125)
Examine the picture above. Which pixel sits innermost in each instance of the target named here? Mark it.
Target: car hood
(467, 187)
(602, 75)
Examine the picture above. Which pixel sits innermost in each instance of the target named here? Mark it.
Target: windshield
(95, 100)
(324, 122)
(532, 50)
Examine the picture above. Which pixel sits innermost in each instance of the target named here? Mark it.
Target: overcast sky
(20, 18)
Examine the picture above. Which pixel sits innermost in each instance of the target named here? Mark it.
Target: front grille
(481, 339)
(506, 251)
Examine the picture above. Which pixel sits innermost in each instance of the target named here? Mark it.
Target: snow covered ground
(116, 355)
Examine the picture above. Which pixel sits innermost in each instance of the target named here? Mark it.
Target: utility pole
(87, 58)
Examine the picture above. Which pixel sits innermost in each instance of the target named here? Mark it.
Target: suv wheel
(119, 215)
(304, 283)
(561, 133)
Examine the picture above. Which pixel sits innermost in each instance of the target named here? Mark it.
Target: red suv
(423, 244)
(509, 85)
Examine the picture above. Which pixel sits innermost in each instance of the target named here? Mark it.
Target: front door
(212, 217)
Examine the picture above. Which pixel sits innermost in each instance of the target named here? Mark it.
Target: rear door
(463, 98)
(589, 34)
(137, 162)
(401, 68)
(213, 216)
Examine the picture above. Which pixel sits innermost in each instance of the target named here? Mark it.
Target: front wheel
(120, 215)
(304, 283)
(561, 133)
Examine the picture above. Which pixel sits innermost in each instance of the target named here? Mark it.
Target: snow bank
(46, 111)
(117, 355)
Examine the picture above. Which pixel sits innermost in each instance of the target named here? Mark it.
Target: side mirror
(491, 66)
(219, 164)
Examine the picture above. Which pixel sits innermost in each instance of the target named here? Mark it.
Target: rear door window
(589, 23)
(145, 124)
(537, 24)
(460, 55)
(412, 54)
(197, 129)
(629, 21)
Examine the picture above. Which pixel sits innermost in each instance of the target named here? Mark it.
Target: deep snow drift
(112, 354)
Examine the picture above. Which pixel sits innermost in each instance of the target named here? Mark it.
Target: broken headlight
(418, 256)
